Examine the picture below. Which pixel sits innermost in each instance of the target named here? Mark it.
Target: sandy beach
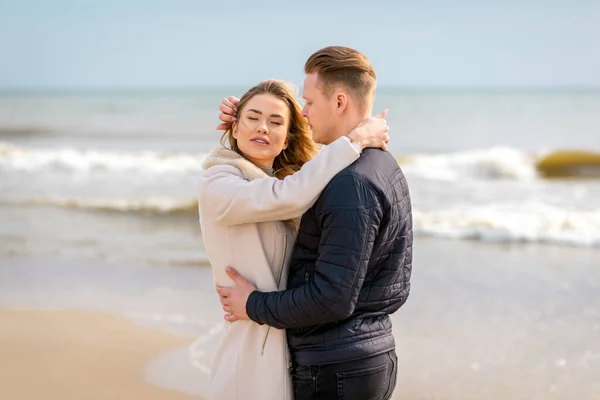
(484, 321)
(70, 354)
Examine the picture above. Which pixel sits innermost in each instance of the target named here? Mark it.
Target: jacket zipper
(262, 351)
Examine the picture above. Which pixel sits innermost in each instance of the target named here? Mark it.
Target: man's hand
(234, 299)
(228, 112)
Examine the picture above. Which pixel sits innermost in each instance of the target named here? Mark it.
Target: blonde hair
(300, 149)
(339, 65)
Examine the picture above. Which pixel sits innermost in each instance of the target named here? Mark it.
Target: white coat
(249, 221)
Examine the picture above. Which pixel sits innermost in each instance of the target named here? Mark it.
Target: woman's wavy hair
(301, 148)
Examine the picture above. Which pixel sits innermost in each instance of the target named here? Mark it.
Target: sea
(98, 209)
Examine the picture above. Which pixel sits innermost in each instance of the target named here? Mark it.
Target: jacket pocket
(308, 277)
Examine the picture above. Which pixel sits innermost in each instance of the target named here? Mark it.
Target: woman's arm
(234, 200)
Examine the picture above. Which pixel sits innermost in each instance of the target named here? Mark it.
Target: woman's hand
(372, 132)
(228, 112)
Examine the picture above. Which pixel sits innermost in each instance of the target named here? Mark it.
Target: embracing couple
(310, 251)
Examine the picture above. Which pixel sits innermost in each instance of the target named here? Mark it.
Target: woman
(250, 199)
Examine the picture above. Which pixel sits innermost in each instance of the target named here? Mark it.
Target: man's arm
(349, 217)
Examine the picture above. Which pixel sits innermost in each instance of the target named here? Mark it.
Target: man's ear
(341, 102)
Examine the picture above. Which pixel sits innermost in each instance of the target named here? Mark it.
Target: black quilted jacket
(350, 268)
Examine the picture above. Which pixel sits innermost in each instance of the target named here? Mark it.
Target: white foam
(197, 350)
(530, 221)
(76, 160)
(159, 205)
(175, 319)
(513, 222)
(486, 164)
(494, 163)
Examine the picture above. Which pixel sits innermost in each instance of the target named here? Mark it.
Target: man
(352, 260)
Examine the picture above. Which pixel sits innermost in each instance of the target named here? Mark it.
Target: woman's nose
(262, 127)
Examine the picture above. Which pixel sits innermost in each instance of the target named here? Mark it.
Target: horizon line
(211, 87)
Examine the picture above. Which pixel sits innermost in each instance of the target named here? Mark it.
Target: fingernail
(228, 269)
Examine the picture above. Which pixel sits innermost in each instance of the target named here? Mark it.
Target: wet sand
(77, 355)
(484, 321)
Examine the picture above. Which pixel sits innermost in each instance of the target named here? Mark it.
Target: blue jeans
(372, 378)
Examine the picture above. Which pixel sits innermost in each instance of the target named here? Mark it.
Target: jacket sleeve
(235, 200)
(349, 217)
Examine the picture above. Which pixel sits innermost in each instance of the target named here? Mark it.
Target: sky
(71, 44)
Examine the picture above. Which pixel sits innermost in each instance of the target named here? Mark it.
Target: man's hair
(338, 65)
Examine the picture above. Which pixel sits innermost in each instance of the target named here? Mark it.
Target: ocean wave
(486, 164)
(503, 163)
(76, 160)
(513, 222)
(499, 222)
(146, 205)
(494, 163)
(20, 131)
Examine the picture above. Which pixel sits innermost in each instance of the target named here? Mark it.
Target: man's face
(319, 110)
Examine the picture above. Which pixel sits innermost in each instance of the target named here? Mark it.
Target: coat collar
(221, 155)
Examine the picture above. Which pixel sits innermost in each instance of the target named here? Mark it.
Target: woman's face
(262, 128)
